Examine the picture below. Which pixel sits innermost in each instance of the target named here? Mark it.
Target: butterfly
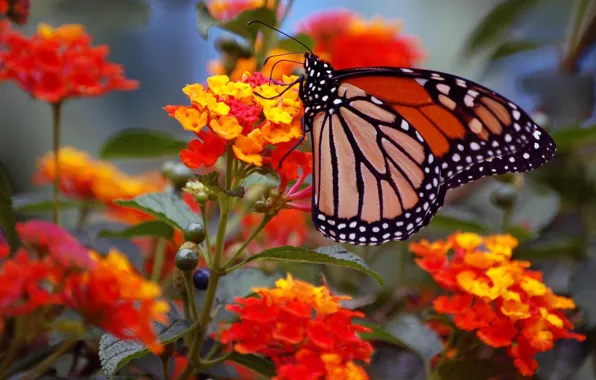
(389, 142)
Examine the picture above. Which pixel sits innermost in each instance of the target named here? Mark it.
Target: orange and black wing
(375, 178)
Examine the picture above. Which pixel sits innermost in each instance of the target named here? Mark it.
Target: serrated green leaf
(415, 335)
(583, 289)
(115, 353)
(166, 207)
(290, 45)
(7, 217)
(152, 228)
(512, 47)
(141, 143)
(204, 20)
(473, 369)
(35, 203)
(239, 24)
(331, 255)
(574, 136)
(496, 24)
(379, 334)
(262, 366)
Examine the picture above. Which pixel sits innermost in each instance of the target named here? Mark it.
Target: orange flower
(303, 329)
(225, 10)
(347, 41)
(115, 298)
(56, 64)
(504, 302)
(82, 177)
(275, 67)
(15, 10)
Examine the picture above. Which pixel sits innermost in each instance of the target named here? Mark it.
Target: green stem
(84, 211)
(264, 221)
(446, 350)
(44, 365)
(56, 116)
(216, 273)
(159, 258)
(165, 367)
(203, 208)
(507, 218)
(13, 349)
(190, 295)
(211, 362)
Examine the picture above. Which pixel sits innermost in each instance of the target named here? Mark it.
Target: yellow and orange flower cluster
(82, 177)
(347, 40)
(503, 301)
(236, 113)
(225, 10)
(53, 268)
(303, 329)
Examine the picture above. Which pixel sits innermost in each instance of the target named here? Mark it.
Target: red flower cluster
(504, 302)
(15, 10)
(347, 40)
(56, 64)
(303, 329)
(53, 268)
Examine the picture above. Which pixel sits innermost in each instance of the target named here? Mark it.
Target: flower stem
(190, 296)
(56, 116)
(158, 259)
(83, 214)
(203, 208)
(165, 367)
(14, 347)
(44, 365)
(264, 221)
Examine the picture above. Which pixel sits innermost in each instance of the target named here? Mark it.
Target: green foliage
(166, 207)
(262, 366)
(416, 336)
(473, 369)
(290, 45)
(140, 143)
(331, 255)
(153, 228)
(39, 203)
(378, 334)
(204, 19)
(7, 217)
(574, 136)
(583, 289)
(513, 47)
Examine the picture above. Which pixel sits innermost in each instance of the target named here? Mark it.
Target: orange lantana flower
(59, 63)
(500, 299)
(303, 329)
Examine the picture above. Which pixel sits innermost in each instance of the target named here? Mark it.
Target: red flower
(56, 64)
(203, 152)
(15, 10)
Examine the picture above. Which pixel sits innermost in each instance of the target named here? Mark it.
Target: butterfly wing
(375, 178)
(473, 131)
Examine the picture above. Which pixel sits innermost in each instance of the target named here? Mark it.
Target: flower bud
(261, 206)
(505, 196)
(194, 232)
(186, 259)
(179, 176)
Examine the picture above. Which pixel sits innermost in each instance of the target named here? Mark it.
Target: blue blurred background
(159, 46)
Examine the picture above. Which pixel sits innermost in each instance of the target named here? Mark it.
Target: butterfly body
(389, 142)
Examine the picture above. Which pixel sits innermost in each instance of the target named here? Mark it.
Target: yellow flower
(551, 318)
(468, 240)
(191, 119)
(533, 287)
(248, 148)
(515, 309)
(281, 133)
(197, 95)
(221, 85)
(226, 127)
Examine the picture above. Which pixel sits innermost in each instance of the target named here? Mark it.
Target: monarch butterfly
(389, 142)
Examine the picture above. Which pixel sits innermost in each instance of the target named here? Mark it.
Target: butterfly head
(319, 85)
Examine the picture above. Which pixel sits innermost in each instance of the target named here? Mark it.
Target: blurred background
(157, 42)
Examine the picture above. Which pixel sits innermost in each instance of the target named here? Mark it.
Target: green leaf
(512, 47)
(415, 335)
(497, 23)
(290, 45)
(239, 24)
(166, 207)
(204, 20)
(454, 223)
(37, 203)
(152, 228)
(331, 255)
(115, 353)
(260, 365)
(473, 369)
(7, 217)
(583, 289)
(378, 334)
(260, 179)
(240, 283)
(141, 143)
(574, 136)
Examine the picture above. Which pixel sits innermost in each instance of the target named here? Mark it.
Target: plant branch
(56, 119)
(264, 221)
(44, 365)
(159, 258)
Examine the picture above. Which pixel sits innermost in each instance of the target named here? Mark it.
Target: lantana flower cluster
(15, 10)
(236, 114)
(500, 299)
(303, 329)
(348, 40)
(59, 63)
(84, 178)
(53, 268)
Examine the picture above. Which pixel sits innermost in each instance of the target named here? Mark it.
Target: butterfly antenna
(280, 55)
(275, 64)
(280, 32)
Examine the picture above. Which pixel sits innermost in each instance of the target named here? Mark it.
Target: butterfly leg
(299, 80)
(300, 141)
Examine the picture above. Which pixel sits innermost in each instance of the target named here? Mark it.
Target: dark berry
(201, 279)
(186, 259)
(194, 232)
